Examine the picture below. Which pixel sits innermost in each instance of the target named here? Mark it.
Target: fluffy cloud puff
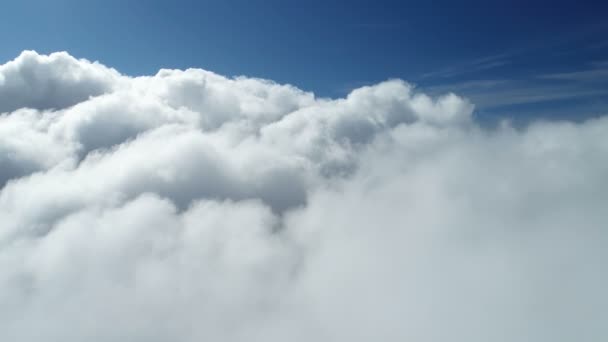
(188, 206)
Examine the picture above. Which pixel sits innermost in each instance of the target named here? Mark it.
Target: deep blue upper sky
(510, 57)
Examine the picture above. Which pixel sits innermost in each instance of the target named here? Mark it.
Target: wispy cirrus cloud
(598, 73)
(477, 65)
(586, 86)
(521, 78)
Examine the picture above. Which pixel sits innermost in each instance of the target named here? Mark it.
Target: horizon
(515, 60)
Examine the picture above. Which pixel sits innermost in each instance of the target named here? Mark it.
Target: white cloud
(188, 206)
(54, 81)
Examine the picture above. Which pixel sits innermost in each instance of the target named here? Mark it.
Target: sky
(307, 172)
(514, 59)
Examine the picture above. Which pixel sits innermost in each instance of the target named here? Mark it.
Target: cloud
(471, 66)
(189, 206)
(552, 91)
(51, 82)
(592, 75)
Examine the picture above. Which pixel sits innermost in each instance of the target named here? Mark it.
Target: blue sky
(514, 59)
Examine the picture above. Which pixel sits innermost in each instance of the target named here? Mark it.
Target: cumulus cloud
(51, 82)
(188, 206)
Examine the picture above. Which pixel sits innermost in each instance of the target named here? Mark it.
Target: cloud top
(55, 81)
(190, 206)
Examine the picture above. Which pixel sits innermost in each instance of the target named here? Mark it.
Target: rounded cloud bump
(55, 81)
(188, 206)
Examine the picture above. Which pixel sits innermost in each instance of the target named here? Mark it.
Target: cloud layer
(188, 206)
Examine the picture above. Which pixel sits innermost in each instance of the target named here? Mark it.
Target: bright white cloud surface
(187, 206)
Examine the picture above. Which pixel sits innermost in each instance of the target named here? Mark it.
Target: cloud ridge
(190, 206)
